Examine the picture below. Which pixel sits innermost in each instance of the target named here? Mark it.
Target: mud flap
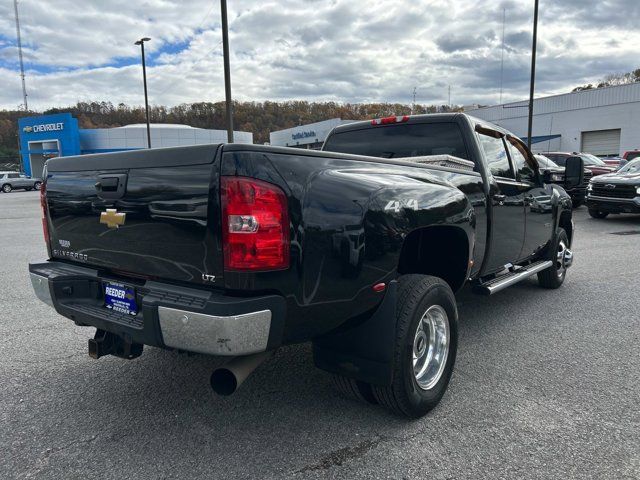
(364, 351)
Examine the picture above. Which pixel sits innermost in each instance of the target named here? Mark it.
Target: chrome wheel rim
(431, 347)
(564, 258)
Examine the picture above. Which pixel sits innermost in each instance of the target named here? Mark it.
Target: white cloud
(342, 50)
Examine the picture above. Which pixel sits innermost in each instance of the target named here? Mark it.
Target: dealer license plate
(120, 298)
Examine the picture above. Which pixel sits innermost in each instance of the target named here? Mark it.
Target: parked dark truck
(235, 250)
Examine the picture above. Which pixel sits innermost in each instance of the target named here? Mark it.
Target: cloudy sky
(342, 50)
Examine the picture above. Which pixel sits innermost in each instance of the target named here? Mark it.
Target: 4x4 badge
(112, 219)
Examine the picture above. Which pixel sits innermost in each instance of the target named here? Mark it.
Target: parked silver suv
(14, 180)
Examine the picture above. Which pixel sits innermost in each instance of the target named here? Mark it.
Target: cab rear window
(401, 141)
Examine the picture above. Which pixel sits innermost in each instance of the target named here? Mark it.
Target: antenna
(504, 16)
(24, 86)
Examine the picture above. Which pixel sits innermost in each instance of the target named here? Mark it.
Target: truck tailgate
(150, 213)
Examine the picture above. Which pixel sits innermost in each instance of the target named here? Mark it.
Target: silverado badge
(112, 219)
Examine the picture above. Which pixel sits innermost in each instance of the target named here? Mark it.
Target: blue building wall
(60, 127)
(41, 136)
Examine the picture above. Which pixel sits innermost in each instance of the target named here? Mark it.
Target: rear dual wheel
(426, 343)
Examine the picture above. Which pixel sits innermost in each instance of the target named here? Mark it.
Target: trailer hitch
(106, 343)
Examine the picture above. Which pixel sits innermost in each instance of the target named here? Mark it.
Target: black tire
(37, 185)
(353, 389)
(416, 294)
(553, 277)
(6, 188)
(597, 213)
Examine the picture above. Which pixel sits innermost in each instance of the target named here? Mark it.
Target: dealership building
(310, 136)
(58, 135)
(603, 121)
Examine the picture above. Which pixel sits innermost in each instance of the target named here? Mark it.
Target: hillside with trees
(612, 80)
(260, 118)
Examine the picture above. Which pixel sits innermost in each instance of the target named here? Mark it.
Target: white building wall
(135, 137)
(304, 134)
(571, 114)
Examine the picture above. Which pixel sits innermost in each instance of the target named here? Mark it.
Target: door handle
(499, 198)
(111, 186)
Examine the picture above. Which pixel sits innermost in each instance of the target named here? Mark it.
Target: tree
(260, 118)
(612, 80)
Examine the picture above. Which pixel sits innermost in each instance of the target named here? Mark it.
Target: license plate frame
(120, 298)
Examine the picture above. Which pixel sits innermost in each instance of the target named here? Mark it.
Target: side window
(13, 175)
(560, 160)
(521, 160)
(496, 156)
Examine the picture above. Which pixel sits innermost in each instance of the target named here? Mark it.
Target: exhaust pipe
(228, 378)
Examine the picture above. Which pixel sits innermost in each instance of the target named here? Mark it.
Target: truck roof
(424, 118)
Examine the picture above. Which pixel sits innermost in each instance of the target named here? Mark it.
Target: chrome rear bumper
(184, 318)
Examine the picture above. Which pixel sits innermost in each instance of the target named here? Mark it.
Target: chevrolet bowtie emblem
(112, 219)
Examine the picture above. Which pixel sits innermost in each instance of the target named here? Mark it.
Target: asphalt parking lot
(547, 385)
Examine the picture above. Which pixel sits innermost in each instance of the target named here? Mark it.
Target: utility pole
(449, 97)
(533, 73)
(24, 86)
(413, 105)
(504, 17)
(227, 70)
(144, 80)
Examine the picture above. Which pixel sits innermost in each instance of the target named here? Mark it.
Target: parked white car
(13, 180)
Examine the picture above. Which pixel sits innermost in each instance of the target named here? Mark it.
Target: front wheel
(37, 185)
(562, 259)
(426, 345)
(597, 213)
(7, 188)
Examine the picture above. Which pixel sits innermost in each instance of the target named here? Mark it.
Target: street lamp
(144, 80)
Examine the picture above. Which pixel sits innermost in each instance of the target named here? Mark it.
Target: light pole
(227, 72)
(144, 80)
(533, 73)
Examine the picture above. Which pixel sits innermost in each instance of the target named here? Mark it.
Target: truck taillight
(43, 206)
(255, 225)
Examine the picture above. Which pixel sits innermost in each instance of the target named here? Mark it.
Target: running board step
(503, 281)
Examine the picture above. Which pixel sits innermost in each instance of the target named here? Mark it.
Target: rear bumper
(614, 205)
(169, 316)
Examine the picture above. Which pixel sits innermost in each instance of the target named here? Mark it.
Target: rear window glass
(401, 141)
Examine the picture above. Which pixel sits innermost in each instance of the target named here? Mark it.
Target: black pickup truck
(235, 250)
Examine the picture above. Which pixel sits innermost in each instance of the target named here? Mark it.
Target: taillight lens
(43, 206)
(255, 225)
(390, 120)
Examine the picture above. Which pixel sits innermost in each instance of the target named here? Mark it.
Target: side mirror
(574, 172)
